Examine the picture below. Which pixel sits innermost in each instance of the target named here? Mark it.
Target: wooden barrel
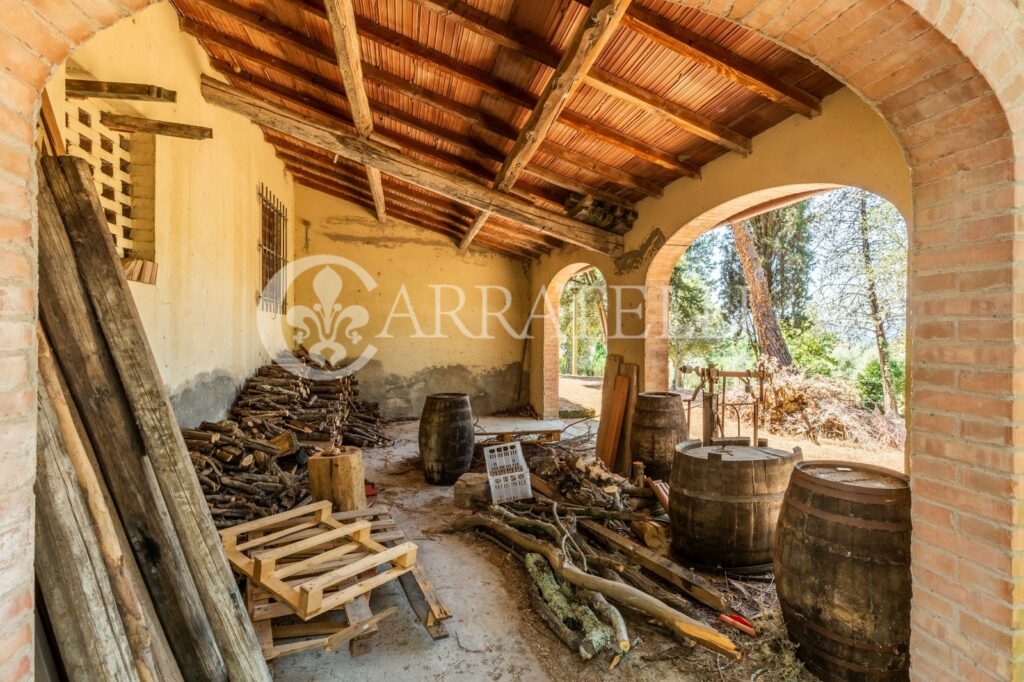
(724, 502)
(842, 570)
(658, 424)
(446, 437)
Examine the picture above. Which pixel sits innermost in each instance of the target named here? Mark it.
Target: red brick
(986, 482)
(14, 640)
(65, 17)
(20, 21)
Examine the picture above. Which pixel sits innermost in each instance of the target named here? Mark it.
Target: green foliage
(585, 294)
(869, 382)
(816, 351)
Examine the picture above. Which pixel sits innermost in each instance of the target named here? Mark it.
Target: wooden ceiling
(642, 98)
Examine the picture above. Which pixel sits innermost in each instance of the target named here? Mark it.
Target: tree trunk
(888, 394)
(769, 334)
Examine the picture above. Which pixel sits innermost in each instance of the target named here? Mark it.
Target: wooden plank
(474, 229)
(410, 170)
(92, 379)
(352, 529)
(125, 592)
(403, 555)
(362, 627)
(664, 568)
(70, 572)
(140, 92)
(611, 370)
(342, 18)
(615, 417)
(624, 456)
(342, 597)
(358, 629)
(113, 306)
(138, 124)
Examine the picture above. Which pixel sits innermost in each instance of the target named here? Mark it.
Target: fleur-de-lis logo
(328, 329)
(317, 327)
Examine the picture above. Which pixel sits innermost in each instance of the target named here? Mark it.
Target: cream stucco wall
(412, 364)
(847, 144)
(201, 314)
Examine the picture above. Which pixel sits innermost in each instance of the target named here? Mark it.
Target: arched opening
(583, 344)
(834, 271)
(943, 75)
(588, 285)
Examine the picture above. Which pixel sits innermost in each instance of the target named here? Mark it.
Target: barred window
(273, 247)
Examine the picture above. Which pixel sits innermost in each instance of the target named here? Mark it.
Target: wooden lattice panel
(109, 154)
(312, 562)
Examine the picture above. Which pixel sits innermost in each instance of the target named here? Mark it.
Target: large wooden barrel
(842, 570)
(446, 437)
(724, 502)
(658, 424)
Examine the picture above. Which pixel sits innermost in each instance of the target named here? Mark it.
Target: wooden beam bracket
(138, 124)
(139, 92)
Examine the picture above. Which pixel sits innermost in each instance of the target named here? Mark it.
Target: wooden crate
(310, 561)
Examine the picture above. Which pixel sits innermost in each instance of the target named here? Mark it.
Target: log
(70, 570)
(91, 376)
(338, 475)
(610, 614)
(595, 636)
(678, 623)
(225, 614)
(123, 590)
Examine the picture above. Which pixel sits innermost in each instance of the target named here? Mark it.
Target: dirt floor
(494, 635)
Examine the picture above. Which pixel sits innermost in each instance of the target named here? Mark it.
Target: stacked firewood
(254, 464)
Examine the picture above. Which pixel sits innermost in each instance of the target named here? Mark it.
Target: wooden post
(710, 415)
(338, 475)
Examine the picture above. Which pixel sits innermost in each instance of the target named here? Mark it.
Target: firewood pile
(254, 464)
(584, 541)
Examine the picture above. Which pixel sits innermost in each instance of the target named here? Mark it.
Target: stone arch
(948, 77)
(549, 341)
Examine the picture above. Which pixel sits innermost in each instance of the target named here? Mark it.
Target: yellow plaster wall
(405, 369)
(847, 144)
(201, 314)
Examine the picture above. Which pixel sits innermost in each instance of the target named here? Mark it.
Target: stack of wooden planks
(618, 402)
(133, 581)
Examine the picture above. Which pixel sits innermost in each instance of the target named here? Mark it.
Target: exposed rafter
(389, 161)
(342, 19)
(534, 47)
(446, 64)
(585, 47)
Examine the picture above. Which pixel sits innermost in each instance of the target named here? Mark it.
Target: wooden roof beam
(651, 25)
(476, 77)
(588, 40)
(402, 214)
(342, 18)
(140, 92)
(389, 161)
(709, 54)
(598, 78)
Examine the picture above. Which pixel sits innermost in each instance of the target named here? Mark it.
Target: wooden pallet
(418, 588)
(282, 635)
(311, 562)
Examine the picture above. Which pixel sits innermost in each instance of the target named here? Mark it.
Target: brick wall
(949, 77)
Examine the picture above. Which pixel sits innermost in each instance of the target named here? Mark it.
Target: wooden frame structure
(523, 99)
(311, 562)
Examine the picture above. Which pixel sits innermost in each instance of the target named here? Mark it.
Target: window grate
(273, 246)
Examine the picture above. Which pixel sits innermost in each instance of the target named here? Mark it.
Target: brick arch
(549, 366)
(660, 269)
(943, 74)
(948, 78)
